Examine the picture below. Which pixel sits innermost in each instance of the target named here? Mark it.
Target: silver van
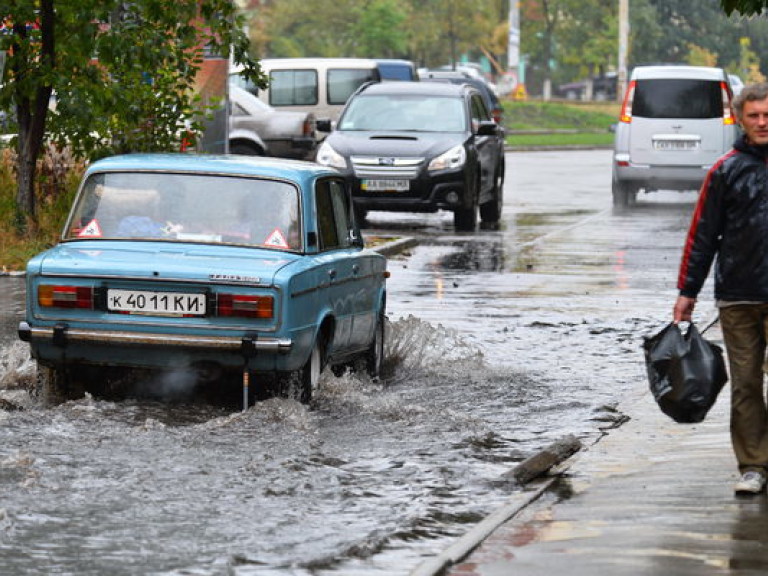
(675, 122)
(317, 85)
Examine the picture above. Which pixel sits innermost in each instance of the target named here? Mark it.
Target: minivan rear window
(677, 98)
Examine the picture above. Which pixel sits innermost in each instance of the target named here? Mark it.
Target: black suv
(419, 147)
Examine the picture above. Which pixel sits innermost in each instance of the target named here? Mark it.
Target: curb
(460, 549)
(563, 148)
(395, 246)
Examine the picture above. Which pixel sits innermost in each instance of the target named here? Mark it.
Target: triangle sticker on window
(92, 229)
(276, 239)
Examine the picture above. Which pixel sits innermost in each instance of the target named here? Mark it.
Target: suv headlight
(327, 156)
(449, 160)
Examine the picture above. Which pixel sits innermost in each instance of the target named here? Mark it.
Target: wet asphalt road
(501, 341)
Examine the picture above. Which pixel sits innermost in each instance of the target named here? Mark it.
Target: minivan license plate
(675, 144)
(156, 303)
(385, 185)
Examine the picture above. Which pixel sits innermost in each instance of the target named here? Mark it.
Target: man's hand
(683, 310)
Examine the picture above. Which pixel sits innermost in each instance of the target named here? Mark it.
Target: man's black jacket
(730, 220)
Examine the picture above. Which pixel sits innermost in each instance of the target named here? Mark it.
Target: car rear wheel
(490, 212)
(245, 149)
(375, 354)
(624, 195)
(56, 385)
(299, 385)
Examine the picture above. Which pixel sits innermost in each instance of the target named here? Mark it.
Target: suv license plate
(385, 185)
(156, 303)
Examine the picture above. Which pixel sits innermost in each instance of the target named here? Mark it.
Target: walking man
(731, 222)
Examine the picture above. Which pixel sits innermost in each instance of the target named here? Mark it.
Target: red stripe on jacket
(696, 218)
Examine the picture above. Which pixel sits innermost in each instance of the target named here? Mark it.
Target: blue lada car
(228, 265)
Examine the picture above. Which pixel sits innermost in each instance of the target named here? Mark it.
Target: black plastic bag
(685, 371)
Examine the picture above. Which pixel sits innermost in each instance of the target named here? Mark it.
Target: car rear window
(187, 208)
(677, 98)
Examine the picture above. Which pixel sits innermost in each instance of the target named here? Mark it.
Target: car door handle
(355, 268)
(332, 274)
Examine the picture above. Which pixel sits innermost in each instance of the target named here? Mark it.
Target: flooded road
(500, 342)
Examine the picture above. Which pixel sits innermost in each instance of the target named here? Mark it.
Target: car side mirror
(487, 128)
(355, 238)
(324, 125)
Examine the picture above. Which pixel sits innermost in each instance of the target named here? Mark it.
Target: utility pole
(515, 66)
(623, 43)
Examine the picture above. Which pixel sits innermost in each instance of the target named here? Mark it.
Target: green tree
(295, 28)
(430, 32)
(663, 30)
(588, 36)
(745, 7)
(379, 29)
(122, 74)
(698, 56)
(538, 22)
(749, 63)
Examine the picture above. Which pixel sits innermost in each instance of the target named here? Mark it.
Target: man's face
(754, 121)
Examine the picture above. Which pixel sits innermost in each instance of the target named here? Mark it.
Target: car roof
(454, 77)
(419, 88)
(394, 61)
(309, 62)
(230, 165)
(678, 71)
(300, 63)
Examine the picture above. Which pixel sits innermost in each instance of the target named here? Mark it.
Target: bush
(58, 175)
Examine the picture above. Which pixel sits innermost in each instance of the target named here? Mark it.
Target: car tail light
(728, 118)
(308, 128)
(55, 296)
(244, 305)
(496, 115)
(626, 107)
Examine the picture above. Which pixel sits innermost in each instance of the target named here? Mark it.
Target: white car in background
(737, 85)
(675, 122)
(257, 129)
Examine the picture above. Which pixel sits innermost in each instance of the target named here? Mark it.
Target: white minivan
(317, 85)
(675, 122)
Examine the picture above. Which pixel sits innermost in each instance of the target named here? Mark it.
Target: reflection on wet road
(501, 342)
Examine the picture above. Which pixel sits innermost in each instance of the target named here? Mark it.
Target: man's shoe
(750, 483)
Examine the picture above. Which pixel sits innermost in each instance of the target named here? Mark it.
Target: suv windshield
(405, 112)
(677, 98)
(187, 207)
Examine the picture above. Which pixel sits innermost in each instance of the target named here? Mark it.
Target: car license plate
(385, 185)
(156, 303)
(675, 144)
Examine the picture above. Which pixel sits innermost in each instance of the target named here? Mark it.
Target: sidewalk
(651, 498)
